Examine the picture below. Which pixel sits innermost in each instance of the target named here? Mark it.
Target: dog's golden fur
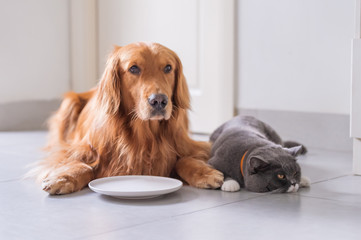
(110, 130)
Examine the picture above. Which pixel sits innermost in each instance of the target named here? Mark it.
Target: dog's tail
(290, 144)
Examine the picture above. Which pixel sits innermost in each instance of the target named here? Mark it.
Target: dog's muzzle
(158, 102)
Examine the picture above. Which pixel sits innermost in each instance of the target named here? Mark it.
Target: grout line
(167, 218)
(19, 154)
(10, 180)
(323, 198)
(15, 179)
(329, 179)
(329, 150)
(221, 205)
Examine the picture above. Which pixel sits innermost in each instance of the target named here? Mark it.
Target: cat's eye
(281, 176)
(134, 69)
(167, 69)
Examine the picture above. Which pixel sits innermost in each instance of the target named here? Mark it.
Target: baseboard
(318, 130)
(26, 115)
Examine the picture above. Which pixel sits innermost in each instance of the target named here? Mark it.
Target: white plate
(135, 187)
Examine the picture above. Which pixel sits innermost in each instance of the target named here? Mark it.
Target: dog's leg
(65, 171)
(198, 173)
(67, 178)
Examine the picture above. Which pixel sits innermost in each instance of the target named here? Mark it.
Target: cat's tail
(289, 144)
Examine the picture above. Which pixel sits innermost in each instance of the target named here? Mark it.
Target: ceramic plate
(135, 187)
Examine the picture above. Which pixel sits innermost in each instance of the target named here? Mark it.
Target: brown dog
(133, 123)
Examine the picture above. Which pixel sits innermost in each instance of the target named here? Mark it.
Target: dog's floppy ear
(181, 97)
(109, 85)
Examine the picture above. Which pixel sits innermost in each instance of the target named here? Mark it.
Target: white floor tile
(321, 165)
(273, 216)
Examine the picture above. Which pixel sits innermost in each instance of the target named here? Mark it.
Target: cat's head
(273, 169)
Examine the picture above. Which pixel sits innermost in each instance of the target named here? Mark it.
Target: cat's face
(273, 170)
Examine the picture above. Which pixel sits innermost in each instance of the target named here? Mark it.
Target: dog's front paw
(212, 179)
(59, 185)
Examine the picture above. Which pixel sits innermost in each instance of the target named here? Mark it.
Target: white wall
(34, 49)
(295, 55)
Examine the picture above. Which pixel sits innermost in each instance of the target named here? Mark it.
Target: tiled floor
(330, 209)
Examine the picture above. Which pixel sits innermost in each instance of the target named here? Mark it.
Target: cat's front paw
(230, 185)
(305, 182)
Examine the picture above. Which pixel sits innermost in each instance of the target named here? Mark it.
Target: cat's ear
(294, 151)
(258, 165)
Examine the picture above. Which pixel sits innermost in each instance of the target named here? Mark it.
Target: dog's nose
(158, 101)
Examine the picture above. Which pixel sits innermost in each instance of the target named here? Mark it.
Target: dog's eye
(134, 69)
(168, 68)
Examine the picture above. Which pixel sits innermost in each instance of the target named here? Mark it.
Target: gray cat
(252, 155)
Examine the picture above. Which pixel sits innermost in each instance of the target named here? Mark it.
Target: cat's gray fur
(267, 156)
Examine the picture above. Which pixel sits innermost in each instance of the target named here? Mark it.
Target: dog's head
(145, 80)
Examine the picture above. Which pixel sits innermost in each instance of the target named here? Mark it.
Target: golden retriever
(134, 122)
